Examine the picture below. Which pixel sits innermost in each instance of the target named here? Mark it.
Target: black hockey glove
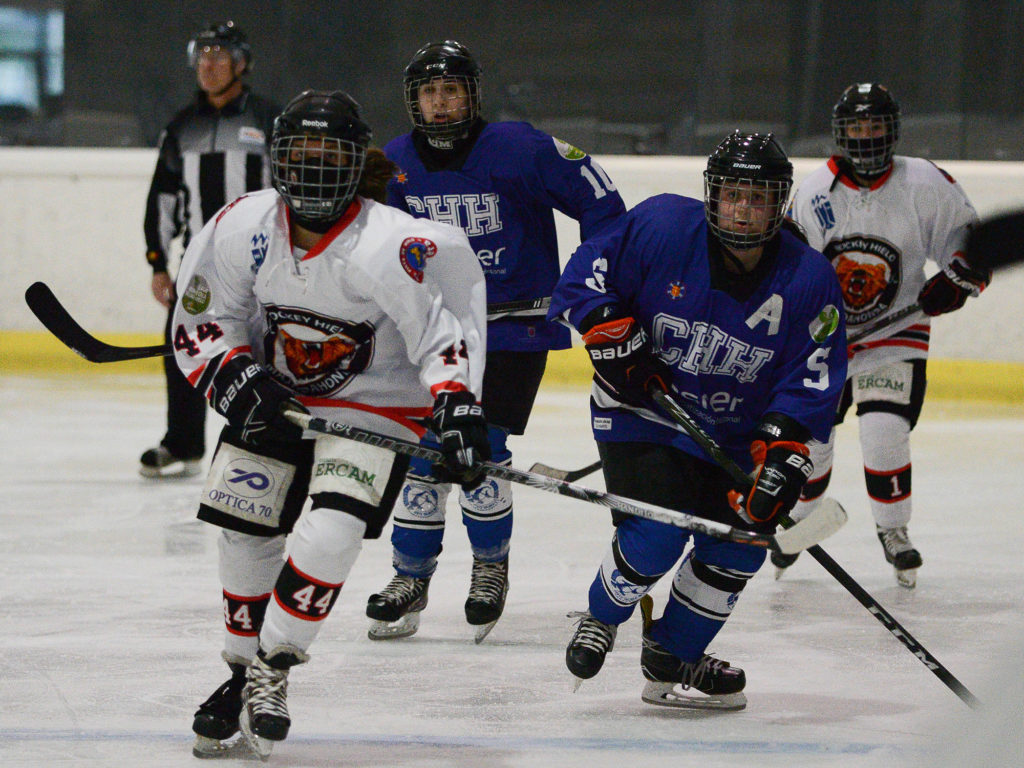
(244, 393)
(460, 426)
(949, 289)
(622, 357)
(780, 470)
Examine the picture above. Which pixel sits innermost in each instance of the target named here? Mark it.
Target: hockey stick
(51, 313)
(892, 319)
(795, 539)
(522, 308)
(569, 475)
(686, 421)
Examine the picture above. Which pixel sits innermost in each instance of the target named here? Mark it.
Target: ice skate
(900, 553)
(782, 562)
(264, 717)
(159, 463)
(488, 587)
(396, 608)
(216, 720)
(708, 683)
(592, 641)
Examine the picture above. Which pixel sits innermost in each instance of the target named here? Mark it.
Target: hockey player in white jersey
(314, 296)
(879, 218)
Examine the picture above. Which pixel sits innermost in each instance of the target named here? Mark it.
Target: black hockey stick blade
(997, 242)
(569, 475)
(51, 313)
(895, 317)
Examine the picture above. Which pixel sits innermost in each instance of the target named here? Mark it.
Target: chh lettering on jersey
(474, 214)
(704, 348)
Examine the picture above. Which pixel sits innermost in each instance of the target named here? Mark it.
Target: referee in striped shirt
(213, 151)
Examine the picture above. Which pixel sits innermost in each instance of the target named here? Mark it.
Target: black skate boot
(216, 720)
(782, 562)
(900, 553)
(264, 717)
(592, 641)
(396, 608)
(721, 685)
(488, 587)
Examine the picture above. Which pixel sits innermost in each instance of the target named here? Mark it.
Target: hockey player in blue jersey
(500, 183)
(742, 322)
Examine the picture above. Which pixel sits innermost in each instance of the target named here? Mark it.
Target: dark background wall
(611, 77)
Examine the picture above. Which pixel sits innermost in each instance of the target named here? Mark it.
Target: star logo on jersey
(869, 274)
(413, 256)
(402, 178)
(676, 290)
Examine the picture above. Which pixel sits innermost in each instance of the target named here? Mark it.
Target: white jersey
(366, 328)
(879, 239)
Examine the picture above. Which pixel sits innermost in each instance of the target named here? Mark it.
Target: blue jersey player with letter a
(741, 321)
(500, 183)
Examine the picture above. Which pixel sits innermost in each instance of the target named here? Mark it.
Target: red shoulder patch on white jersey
(413, 256)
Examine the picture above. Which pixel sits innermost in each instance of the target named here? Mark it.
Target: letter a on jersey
(771, 312)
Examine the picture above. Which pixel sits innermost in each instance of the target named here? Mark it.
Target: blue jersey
(502, 195)
(780, 349)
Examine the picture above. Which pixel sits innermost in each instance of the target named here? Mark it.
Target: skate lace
(896, 540)
(592, 633)
(693, 674)
(487, 581)
(267, 690)
(402, 588)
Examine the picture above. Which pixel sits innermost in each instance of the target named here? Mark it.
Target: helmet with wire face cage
(458, 109)
(753, 175)
(226, 36)
(866, 127)
(317, 154)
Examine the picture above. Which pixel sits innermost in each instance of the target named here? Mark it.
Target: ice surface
(110, 619)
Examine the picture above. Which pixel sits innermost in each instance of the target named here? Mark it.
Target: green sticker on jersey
(568, 151)
(197, 296)
(825, 324)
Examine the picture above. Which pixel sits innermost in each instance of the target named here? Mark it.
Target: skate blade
(907, 578)
(483, 630)
(259, 746)
(576, 683)
(779, 572)
(669, 695)
(173, 471)
(392, 630)
(206, 748)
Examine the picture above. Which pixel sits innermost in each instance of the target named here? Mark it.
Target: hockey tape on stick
(686, 421)
(569, 475)
(51, 313)
(552, 485)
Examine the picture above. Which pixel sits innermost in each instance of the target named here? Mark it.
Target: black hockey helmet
(226, 36)
(867, 108)
(452, 61)
(318, 182)
(754, 166)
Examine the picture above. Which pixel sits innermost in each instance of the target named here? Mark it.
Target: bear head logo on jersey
(315, 355)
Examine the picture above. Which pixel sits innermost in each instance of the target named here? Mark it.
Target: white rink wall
(73, 218)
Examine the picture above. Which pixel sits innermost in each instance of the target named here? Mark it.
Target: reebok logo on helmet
(314, 123)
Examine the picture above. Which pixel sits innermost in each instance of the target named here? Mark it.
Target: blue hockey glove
(622, 357)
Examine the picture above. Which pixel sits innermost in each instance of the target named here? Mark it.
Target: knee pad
(623, 581)
(248, 564)
(710, 591)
